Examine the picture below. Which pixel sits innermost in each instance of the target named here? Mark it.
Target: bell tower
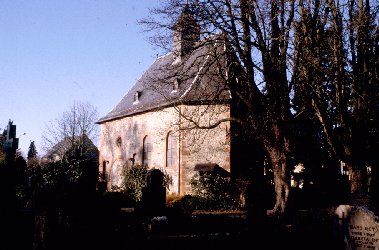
(186, 33)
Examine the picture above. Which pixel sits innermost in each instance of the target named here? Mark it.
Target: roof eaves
(135, 112)
(162, 106)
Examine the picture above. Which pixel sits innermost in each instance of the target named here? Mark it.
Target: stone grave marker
(154, 194)
(358, 227)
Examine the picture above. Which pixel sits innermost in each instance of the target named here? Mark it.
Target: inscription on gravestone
(359, 226)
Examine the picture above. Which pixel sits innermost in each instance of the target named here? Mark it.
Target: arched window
(171, 151)
(147, 150)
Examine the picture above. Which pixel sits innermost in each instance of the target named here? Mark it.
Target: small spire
(186, 32)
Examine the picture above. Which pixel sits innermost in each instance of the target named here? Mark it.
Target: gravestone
(358, 227)
(154, 178)
(154, 194)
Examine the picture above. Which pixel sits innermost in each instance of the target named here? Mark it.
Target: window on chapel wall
(171, 151)
(147, 150)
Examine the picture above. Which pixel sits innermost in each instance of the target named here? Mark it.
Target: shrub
(216, 192)
(135, 180)
(188, 203)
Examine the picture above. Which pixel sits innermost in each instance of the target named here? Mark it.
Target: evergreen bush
(214, 191)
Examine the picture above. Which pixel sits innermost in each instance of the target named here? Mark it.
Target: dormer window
(137, 96)
(175, 86)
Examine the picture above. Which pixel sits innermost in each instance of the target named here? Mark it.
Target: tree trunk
(358, 179)
(279, 162)
(40, 232)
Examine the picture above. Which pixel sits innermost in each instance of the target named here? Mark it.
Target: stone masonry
(123, 137)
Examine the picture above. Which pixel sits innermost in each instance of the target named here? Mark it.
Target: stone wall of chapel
(204, 145)
(196, 145)
(132, 131)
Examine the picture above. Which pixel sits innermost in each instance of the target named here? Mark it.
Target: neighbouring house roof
(171, 80)
(90, 151)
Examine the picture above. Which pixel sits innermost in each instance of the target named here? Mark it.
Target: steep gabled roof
(198, 78)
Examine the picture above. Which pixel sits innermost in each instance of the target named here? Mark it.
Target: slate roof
(200, 81)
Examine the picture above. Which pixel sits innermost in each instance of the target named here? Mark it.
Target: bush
(214, 191)
(135, 180)
(188, 203)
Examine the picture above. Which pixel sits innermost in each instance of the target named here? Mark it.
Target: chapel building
(177, 115)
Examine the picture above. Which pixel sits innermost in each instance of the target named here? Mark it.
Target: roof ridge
(167, 54)
(196, 77)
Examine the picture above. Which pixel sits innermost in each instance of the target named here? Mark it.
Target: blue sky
(53, 53)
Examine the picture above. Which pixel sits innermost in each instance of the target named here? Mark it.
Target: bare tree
(257, 35)
(68, 133)
(284, 60)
